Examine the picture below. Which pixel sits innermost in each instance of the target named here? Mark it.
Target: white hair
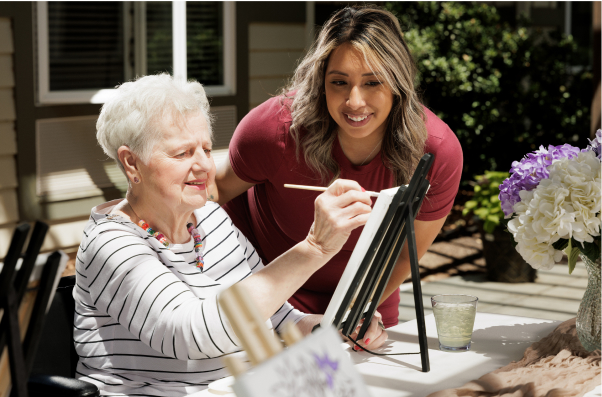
(135, 116)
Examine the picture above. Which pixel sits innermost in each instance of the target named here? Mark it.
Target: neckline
(347, 165)
(187, 244)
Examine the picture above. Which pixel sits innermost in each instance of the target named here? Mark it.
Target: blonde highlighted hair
(376, 34)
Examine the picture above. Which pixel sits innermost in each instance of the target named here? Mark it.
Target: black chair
(53, 369)
(9, 302)
(13, 284)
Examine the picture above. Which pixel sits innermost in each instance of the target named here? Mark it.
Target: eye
(373, 83)
(338, 82)
(208, 152)
(181, 155)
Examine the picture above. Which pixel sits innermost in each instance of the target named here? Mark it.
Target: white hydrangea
(565, 205)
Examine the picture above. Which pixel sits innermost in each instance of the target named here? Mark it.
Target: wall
(23, 121)
(9, 211)
(274, 51)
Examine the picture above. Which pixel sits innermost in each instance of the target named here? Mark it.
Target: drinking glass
(454, 316)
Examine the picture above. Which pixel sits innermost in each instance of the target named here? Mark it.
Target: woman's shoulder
(274, 111)
(210, 216)
(440, 136)
(102, 227)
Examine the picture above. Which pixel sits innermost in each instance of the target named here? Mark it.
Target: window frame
(44, 96)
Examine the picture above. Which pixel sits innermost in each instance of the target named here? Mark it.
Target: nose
(355, 100)
(202, 163)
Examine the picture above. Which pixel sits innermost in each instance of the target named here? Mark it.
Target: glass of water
(454, 315)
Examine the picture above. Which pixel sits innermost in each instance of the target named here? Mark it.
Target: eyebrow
(345, 74)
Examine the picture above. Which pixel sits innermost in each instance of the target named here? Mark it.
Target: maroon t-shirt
(275, 218)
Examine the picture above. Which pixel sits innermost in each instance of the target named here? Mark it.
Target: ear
(129, 161)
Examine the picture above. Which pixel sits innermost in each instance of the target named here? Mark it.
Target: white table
(496, 341)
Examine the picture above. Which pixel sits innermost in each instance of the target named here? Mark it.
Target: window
(85, 49)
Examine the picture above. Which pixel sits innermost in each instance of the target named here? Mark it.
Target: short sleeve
(257, 146)
(445, 174)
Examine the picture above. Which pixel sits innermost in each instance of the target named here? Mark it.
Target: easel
(374, 272)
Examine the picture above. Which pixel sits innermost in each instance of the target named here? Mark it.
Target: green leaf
(573, 254)
(481, 213)
(489, 226)
(494, 218)
(470, 204)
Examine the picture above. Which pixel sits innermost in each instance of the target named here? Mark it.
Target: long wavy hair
(376, 34)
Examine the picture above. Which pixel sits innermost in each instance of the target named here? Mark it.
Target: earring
(136, 180)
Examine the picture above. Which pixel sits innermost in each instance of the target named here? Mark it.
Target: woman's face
(357, 101)
(180, 166)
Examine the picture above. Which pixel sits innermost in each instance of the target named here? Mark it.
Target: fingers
(375, 335)
(338, 211)
(349, 192)
(341, 186)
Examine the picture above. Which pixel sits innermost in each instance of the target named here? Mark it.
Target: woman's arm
(227, 184)
(338, 211)
(425, 232)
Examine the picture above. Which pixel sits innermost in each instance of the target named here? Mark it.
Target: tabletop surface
(496, 341)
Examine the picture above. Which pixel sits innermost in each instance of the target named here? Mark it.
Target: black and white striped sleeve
(125, 279)
(286, 312)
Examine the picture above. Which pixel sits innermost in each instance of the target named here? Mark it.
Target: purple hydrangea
(526, 174)
(594, 145)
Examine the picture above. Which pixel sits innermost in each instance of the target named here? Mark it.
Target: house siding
(9, 210)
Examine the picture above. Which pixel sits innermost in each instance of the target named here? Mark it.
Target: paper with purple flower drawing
(317, 366)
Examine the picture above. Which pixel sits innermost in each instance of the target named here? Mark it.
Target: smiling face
(357, 100)
(180, 166)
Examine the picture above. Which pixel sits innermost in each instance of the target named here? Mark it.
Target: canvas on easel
(362, 284)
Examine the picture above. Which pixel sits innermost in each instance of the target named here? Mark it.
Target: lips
(358, 120)
(199, 184)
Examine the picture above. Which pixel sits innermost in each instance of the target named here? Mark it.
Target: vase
(588, 316)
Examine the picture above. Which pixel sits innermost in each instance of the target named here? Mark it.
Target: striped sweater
(147, 321)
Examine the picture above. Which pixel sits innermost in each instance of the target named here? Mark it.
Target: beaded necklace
(196, 236)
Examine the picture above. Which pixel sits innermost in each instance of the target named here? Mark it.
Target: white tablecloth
(496, 341)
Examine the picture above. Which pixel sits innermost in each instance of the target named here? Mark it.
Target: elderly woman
(150, 266)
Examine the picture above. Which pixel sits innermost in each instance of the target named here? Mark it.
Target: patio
(555, 295)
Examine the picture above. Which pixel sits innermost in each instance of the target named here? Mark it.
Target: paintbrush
(320, 189)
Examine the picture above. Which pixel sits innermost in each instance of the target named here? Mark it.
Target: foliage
(496, 86)
(485, 204)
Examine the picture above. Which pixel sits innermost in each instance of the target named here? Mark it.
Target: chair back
(56, 339)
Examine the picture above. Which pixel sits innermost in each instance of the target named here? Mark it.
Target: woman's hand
(375, 334)
(339, 210)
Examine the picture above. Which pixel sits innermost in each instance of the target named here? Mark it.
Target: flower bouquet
(553, 199)
(554, 195)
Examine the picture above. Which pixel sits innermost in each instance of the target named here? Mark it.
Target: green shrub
(485, 203)
(495, 86)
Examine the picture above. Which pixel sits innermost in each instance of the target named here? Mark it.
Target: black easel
(375, 270)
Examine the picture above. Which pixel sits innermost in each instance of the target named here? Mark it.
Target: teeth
(358, 118)
(195, 183)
